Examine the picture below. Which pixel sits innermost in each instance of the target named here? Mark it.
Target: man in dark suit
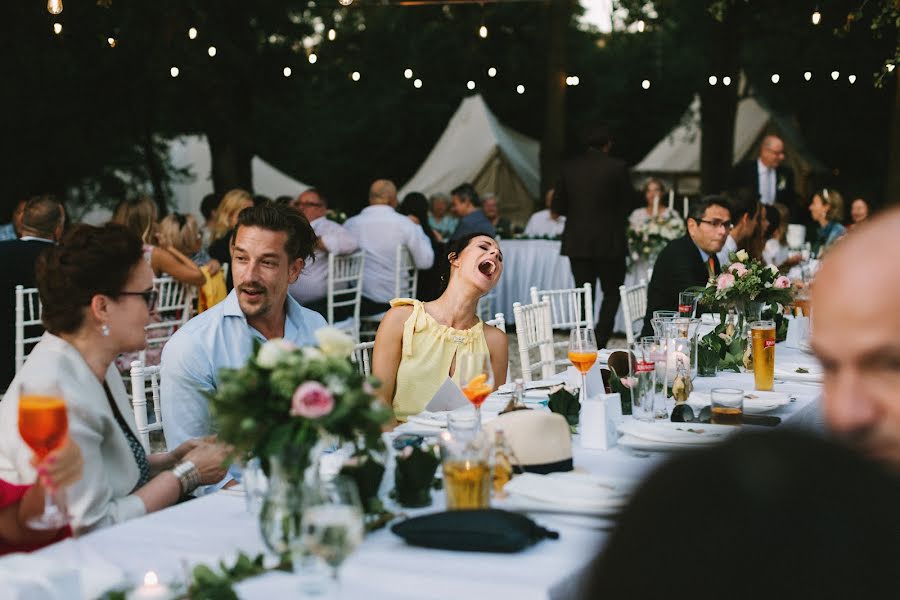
(42, 226)
(769, 179)
(466, 205)
(595, 195)
(689, 260)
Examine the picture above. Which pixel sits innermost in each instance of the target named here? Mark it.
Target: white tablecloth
(216, 527)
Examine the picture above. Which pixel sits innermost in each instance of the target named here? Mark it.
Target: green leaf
(564, 403)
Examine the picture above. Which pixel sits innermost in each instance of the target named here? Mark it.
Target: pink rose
(311, 400)
(628, 382)
(724, 281)
(738, 269)
(782, 282)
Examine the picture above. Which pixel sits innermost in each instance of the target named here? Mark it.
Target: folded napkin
(805, 372)
(568, 490)
(680, 434)
(755, 402)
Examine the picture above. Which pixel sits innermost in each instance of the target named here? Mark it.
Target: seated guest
(10, 231)
(180, 232)
(415, 207)
(859, 212)
(490, 204)
(653, 191)
(827, 211)
(21, 503)
(416, 343)
(208, 207)
(857, 338)
(746, 211)
(689, 260)
(776, 251)
(233, 202)
(97, 293)
(380, 231)
(311, 288)
(269, 248)
(441, 221)
(466, 205)
(546, 223)
(42, 226)
(759, 500)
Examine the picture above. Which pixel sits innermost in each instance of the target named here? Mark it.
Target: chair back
(28, 314)
(173, 309)
(362, 356)
(634, 308)
(345, 275)
(485, 307)
(569, 309)
(499, 321)
(406, 275)
(533, 332)
(145, 380)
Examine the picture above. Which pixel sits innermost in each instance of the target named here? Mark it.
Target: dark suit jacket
(678, 267)
(746, 175)
(595, 194)
(18, 258)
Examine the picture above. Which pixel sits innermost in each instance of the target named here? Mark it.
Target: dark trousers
(611, 273)
(368, 307)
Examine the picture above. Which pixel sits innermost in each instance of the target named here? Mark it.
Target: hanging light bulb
(345, 2)
(807, 76)
(890, 68)
(111, 41)
(851, 79)
(470, 84)
(57, 28)
(211, 51)
(417, 83)
(355, 75)
(713, 80)
(332, 34)
(313, 58)
(835, 75)
(641, 26)
(520, 89)
(174, 71)
(192, 33)
(482, 31)
(408, 73)
(816, 17)
(492, 72)
(54, 7)
(645, 84)
(287, 72)
(726, 81)
(776, 78)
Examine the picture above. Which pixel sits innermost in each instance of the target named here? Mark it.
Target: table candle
(151, 589)
(685, 207)
(671, 199)
(655, 205)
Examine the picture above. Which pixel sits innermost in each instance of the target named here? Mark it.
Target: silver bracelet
(188, 476)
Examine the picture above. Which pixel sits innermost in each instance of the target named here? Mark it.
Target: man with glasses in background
(690, 260)
(311, 289)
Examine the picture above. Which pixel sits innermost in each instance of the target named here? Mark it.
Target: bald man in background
(856, 336)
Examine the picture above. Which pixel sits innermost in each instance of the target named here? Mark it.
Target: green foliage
(209, 584)
(617, 386)
(565, 403)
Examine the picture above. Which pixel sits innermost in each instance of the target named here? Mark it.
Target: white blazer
(103, 496)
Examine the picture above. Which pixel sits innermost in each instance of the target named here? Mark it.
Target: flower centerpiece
(740, 292)
(286, 401)
(646, 241)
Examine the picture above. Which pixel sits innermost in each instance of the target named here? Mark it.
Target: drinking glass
(44, 425)
(659, 320)
(642, 388)
(462, 424)
(583, 354)
(687, 304)
(476, 378)
(727, 406)
(467, 471)
(655, 352)
(762, 335)
(255, 484)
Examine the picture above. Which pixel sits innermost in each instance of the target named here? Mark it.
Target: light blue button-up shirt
(217, 338)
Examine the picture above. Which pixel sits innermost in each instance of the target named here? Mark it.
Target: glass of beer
(727, 406)
(43, 425)
(687, 304)
(467, 471)
(583, 354)
(762, 335)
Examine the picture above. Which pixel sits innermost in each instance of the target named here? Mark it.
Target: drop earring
(104, 329)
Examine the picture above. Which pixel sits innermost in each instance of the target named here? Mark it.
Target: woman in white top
(776, 251)
(96, 293)
(653, 192)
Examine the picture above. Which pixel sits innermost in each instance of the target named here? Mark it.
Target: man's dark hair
(743, 202)
(597, 136)
(208, 205)
(318, 193)
(697, 208)
(301, 238)
(42, 215)
(467, 191)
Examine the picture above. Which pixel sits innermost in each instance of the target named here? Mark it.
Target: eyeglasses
(728, 225)
(311, 204)
(149, 296)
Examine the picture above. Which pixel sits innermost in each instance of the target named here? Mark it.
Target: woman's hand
(61, 468)
(213, 266)
(209, 459)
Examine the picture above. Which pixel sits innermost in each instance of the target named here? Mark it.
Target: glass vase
(282, 508)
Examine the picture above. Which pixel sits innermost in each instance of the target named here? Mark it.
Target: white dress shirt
(312, 284)
(768, 186)
(380, 230)
(541, 223)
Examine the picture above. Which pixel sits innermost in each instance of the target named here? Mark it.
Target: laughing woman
(417, 343)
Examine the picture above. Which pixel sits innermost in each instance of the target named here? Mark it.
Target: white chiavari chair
(533, 332)
(634, 308)
(406, 278)
(28, 315)
(362, 356)
(345, 290)
(173, 309)
(569, 308)
(144, 381)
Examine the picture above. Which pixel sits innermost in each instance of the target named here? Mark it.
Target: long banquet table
(216, 527)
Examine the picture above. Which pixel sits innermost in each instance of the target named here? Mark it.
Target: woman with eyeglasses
(96, 293)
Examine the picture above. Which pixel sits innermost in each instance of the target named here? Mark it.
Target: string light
(816, 17)
(776, 78)
(492, 72)
(520, 89)
(807, 76)
(313, 58)
(111, 41)
(57, 28)
(482, 31)
(890, 68)
(287, 72)
(645, 84)
(573, 80)
(54, 7)
(470, 84)
(726, 81)
(712, 80)
(641, 26)
(174, 71)
(355, 76)
(192, 33)
(345, 2)
(332, 34)
(417, 83)
(211, 51)
(408, 73)
(835, 75)
(851, 79)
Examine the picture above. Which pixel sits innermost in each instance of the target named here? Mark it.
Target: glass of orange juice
(476, 379)
(44, 425)
(583, 353)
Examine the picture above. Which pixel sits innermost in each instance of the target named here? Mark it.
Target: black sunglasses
(150, 297)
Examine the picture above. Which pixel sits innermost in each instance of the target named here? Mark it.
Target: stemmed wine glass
(44, 425)
(476, 378)
(583, 354)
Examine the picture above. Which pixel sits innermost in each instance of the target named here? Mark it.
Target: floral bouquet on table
(286, 401)
(647, 240)
(742, 290)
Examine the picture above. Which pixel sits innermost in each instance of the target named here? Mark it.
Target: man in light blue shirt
(268, 251)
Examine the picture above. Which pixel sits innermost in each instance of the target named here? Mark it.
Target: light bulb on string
(816, 17)
(641, 26)
(111, 41)
(492, 72)
(835, 75)
(286, 72)
(312, 58)
(174, 71)
(57, 28)
(645, 84)
(807, 76)
(332, 34)
(482, 31)
(890, 68)
(520, 89)
(726, 81)
(54, 7)
(713, 80)
(211, 51)
(192, 33)
(470, 84)
(355, 75)
(345, 2)
(408, 73)
(417, 83)
(776, 78)
(851, 79)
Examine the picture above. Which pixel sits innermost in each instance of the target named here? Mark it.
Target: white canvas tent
(677, 156)
(476, 148)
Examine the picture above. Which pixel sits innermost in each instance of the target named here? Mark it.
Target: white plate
(566, 493)
(517, 503)
(755, 402)
(665, 435)
(788, 372)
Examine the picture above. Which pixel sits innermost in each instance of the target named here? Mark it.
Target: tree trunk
(230, 163)
(892, 188)
(718, 106)
(555, 116)
(157, 174)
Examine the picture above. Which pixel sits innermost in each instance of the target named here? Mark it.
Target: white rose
(334, 343)
(311, 353)
(773, 269)
(273, 352)
(742, 255)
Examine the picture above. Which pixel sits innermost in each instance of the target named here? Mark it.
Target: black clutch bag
(484, 530)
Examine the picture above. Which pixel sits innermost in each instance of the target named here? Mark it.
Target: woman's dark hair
(416, 204)
(773, 216)
(301, 238)
(455, 247)
(89, 261)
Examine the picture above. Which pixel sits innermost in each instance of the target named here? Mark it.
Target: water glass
(656, 353)
(642, 378)
(462, 423)
(727, 406)
(255, 484)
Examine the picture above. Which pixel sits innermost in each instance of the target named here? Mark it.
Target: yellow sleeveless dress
(427, 352)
